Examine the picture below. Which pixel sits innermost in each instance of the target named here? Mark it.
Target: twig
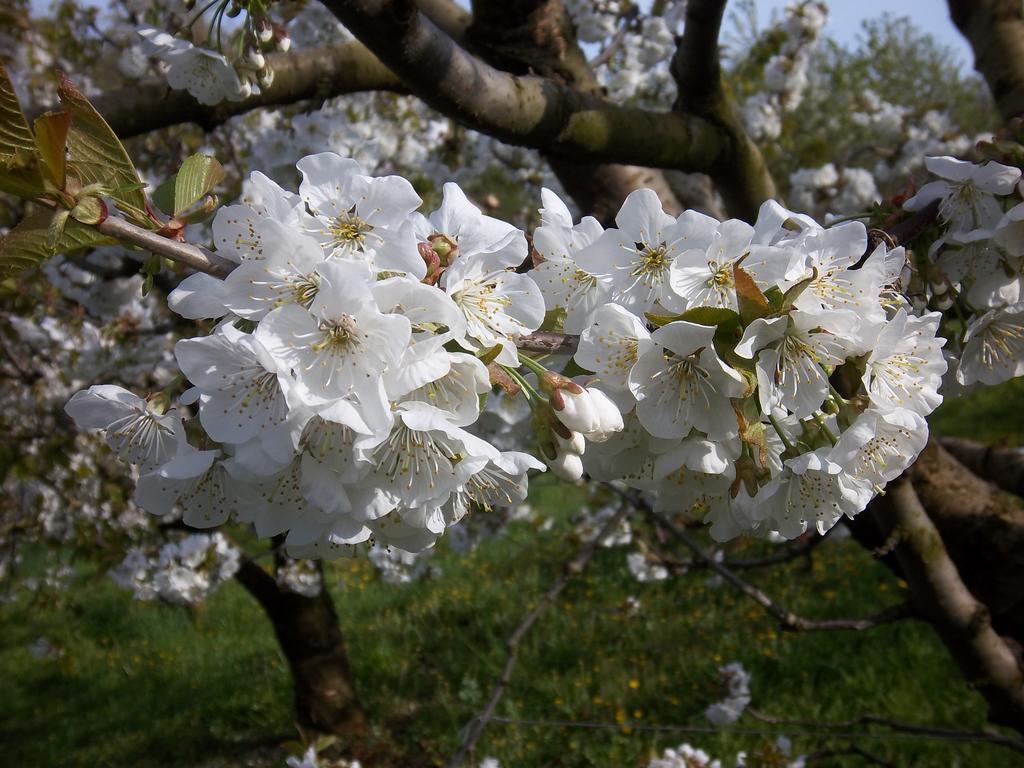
(852, 749)
(951, 734)
(573, 568)
(606, 55)
(786, 618)
(190, 255)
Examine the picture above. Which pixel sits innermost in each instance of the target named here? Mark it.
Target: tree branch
(190, 255)
(1003, 467)
(537, 37)
(952, 734)
(995, 30)
(695, 66)
(962, 622)
(740, 173)
(573, 568)
(525, 110)
(786, 618)
(315, 73)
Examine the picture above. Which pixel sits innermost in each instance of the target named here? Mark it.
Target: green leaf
(15, 135)
(51, 140)
(709, 316)
(196, 177)
(752, 302)
(553, 320)
(660, 320)
(28, 243)
(775, 297)
(89, 210)
(163, 197)
(96, 154)
(790, 297)
(572, 368)
(487, 356)
(56, 228)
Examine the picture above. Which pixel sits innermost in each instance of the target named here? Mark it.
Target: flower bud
(253, 58)
(609, 419)
(264, 29)
(578, 411)
(574, 444)
(284, 42)
(567, 466)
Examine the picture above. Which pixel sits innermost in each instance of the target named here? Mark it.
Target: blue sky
(845, 17)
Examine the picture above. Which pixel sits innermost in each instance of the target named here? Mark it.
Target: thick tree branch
(525, 110)
(315, 73)
(740, 173)
(695, 66)
(1004, 467)
(995, 30)
(941, 596)
(537, 37)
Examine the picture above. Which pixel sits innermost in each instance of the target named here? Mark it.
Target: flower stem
(782, 435)
(824, 428)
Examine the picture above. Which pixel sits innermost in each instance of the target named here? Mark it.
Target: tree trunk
(309, 634)
(995, 30)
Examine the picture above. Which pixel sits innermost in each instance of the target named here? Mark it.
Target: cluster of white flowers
(728, 404)
(634, 47)
(977, 266)
(311, 759)
(688, 756)
(591, 522)
(684, 756)
(208, 74)
(826, 188)
(737, 684)
(399, 567)
(346, 370)
(301, 577)
(769, 377)
(786, 72)
(182, 572)
(644, 568)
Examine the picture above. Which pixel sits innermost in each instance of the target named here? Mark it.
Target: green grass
(144, 685)
(148, 685)
(991, 414)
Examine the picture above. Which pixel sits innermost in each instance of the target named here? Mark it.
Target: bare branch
(190, 255)
(447, 15)
(786, 618)
(951, 734)
(315, 73)
(740, 174)
(573, 568)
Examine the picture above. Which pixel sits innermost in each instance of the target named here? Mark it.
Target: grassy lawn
(143, 685)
